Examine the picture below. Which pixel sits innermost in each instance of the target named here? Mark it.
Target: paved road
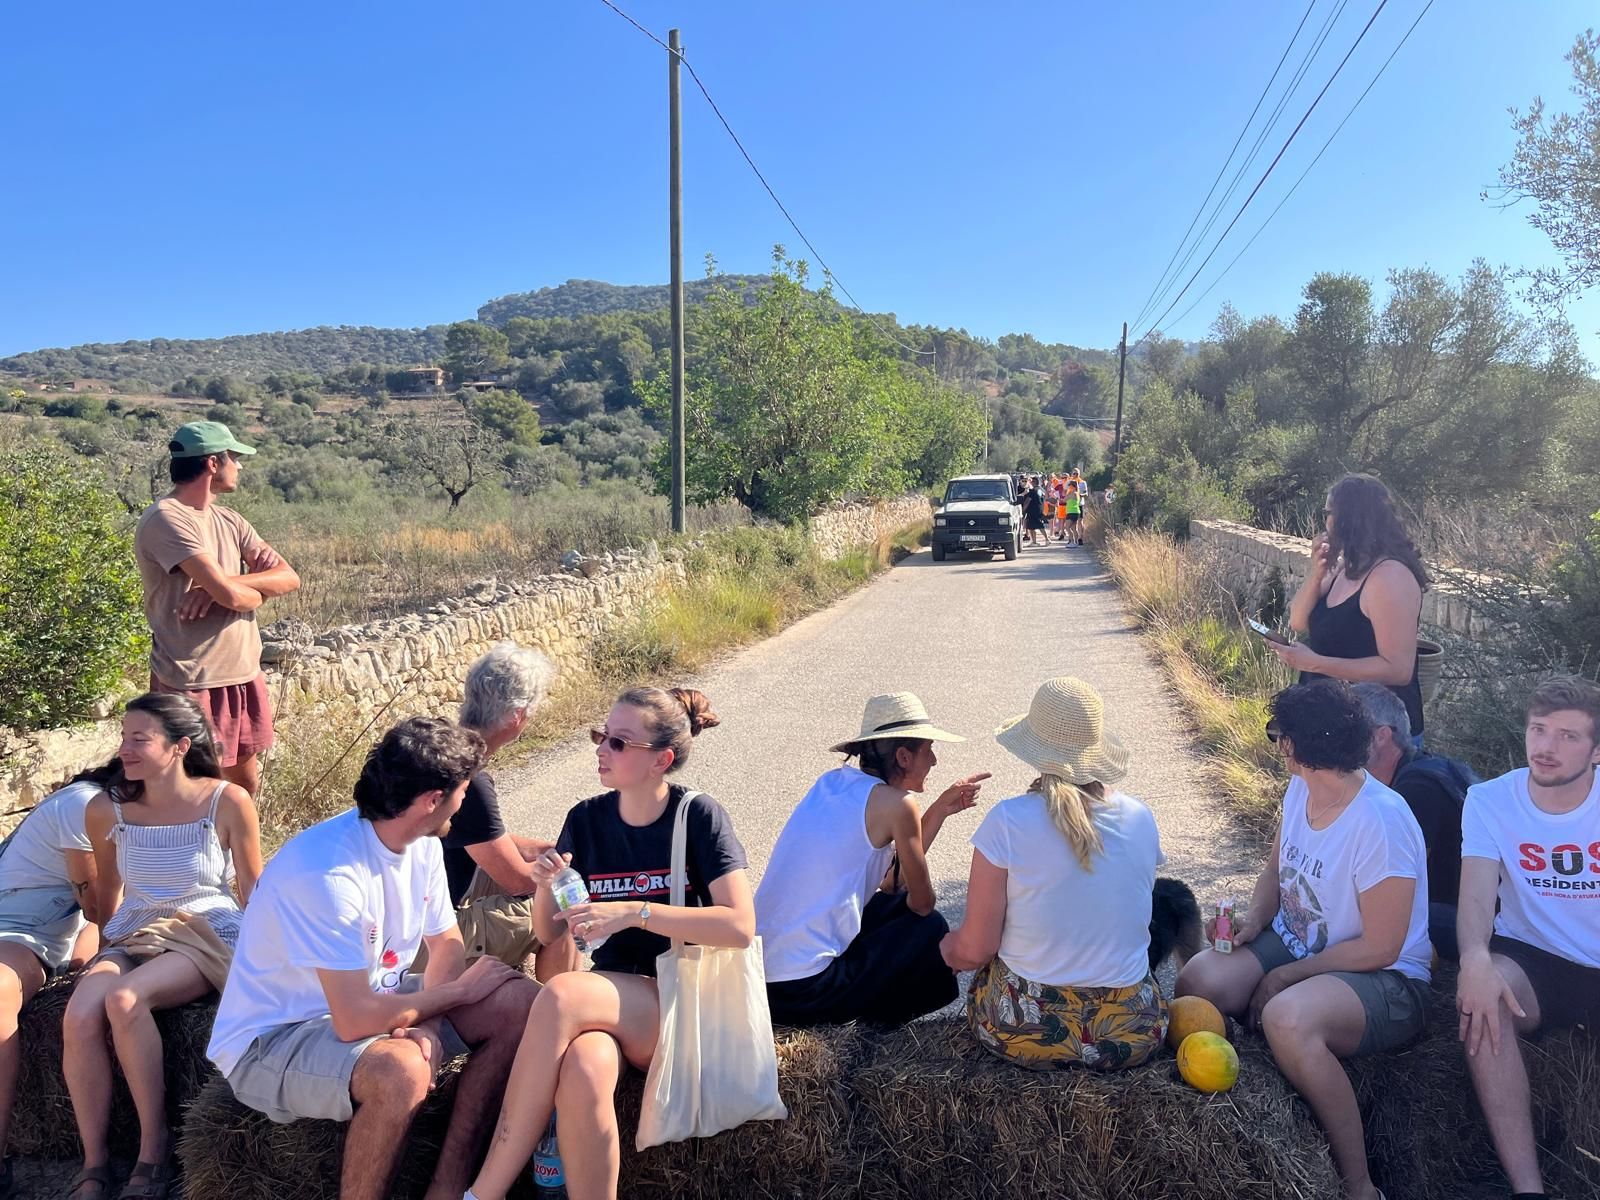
(971, 638)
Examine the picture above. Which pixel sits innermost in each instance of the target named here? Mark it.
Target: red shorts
(240, 716)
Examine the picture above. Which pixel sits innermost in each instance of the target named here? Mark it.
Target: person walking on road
(846, 909)
(1033, 519)
(205, 572)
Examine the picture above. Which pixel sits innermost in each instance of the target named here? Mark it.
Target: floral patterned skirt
(1038, 1026)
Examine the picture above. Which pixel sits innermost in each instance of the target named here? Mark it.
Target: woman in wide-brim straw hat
(1059, 899)
(846, 907)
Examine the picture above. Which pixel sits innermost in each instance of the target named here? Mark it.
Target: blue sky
(194, 170)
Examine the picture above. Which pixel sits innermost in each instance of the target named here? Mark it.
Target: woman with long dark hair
(1362, 599)
(168, 832)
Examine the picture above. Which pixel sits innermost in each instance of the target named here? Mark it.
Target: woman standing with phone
(1360, 605)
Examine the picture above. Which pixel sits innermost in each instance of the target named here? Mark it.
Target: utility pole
(1122, 371)
(985, 429)
(675, 191)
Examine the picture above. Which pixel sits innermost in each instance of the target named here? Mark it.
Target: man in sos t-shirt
(633, 863)
(1531, 841)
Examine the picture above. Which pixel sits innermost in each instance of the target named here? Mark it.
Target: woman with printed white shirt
(1332, 958)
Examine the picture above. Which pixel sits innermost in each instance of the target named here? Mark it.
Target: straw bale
(939, 1116)
(806, 1155)
(42, 1122)
(1426, 1137)
(229, 1150)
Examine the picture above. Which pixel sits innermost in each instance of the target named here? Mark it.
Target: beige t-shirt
(221, 648)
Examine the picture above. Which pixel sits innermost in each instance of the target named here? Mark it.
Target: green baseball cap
(199, 438)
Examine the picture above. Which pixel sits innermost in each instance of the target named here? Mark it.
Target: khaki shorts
(302, 1072)
(492, 924)
(1395, 1005)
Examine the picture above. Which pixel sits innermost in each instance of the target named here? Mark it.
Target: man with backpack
(1435, 789)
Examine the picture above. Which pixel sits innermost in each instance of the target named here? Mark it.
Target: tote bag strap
(680, 854)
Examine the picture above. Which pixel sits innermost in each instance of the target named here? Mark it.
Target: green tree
(1557, 166)
(473, 350)
(781, 412)
(507, 414)
(71, 624)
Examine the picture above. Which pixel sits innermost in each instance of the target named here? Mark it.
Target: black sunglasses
(617, 744)
(1273, 732)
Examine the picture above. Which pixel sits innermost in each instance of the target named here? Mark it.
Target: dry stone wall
(1247, 560)
(425, 656)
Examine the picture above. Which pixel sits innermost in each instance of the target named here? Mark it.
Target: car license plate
(974, 537)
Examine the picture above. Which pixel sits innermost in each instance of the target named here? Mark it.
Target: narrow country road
(973, 639)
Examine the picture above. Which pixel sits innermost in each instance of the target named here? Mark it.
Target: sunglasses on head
(1273, 732)
(617, 744)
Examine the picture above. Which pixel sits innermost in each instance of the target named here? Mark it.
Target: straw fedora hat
(896, 715)
(1063, 733)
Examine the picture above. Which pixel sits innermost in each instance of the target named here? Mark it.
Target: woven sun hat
(896, 715)
(1063, 733)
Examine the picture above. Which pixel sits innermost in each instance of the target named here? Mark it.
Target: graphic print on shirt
(389, 972)
(1300, 922)
(630, 885)
(1561, 870)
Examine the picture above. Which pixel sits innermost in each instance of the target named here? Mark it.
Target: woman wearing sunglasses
(1332, 958)
(586, 1024)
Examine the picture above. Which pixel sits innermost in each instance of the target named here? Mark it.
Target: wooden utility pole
(675, 190)
(1122, 371)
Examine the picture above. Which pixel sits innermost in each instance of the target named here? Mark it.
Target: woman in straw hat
(846, 907)
(1059, 899)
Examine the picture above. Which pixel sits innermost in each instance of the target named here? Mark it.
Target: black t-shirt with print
(633, 863)
(477, 821)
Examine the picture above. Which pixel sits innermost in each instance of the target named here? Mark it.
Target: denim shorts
(46, 920)
(1396, 1006)
(302, 1071)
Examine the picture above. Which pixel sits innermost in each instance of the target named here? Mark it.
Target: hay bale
(229, 1150)
(807, 1155)
(1426, 1137)
(42, 1122)
(939, 1116)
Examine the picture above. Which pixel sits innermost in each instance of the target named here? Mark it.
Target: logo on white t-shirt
(1569, 864)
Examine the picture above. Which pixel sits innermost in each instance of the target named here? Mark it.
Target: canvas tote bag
(715, 1064)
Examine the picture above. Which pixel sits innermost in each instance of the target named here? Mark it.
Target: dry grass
(1223, 675)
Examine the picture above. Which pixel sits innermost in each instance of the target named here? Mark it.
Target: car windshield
(976, 489)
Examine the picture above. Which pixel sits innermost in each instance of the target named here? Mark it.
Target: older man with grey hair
(1435, 789)
(487, 866)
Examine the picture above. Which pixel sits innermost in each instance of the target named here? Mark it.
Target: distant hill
(161, 362)
(588, 297)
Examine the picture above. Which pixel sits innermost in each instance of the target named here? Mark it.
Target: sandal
(99, 1176)
(149, 1181)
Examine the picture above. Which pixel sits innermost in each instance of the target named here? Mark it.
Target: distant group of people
(1053, 506)
(380, 944)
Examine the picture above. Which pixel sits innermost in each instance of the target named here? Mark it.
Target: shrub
(71, 624)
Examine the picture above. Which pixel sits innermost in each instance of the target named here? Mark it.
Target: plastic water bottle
(569, 891)
(549, 1180)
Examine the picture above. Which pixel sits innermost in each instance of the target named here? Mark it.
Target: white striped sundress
(169, 869)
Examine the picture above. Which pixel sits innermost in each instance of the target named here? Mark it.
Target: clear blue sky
(192, 170)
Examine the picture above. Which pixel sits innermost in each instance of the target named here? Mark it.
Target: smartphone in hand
(1272, 635)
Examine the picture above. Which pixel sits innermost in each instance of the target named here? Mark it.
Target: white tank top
(821, 874)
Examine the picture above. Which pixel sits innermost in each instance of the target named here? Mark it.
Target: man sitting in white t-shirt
(320, 1018)
(1531, 841)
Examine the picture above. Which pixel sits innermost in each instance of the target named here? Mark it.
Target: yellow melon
(1193, 1014)
(1208, 1062)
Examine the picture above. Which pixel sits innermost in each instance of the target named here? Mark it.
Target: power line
(1382, 4)
(793, 224)
(1181, 316)
(1307, 60)
(1150, 301)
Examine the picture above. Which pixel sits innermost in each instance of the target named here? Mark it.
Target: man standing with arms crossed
(205, 572)
(1531, 840)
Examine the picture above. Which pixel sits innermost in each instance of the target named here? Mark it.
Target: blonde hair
(1071, 808)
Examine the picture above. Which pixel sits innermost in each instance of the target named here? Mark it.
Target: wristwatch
(644, 915)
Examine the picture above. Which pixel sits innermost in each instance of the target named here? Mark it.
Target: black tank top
(1343, 631)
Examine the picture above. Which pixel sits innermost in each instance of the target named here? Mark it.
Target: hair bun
(698, 707)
